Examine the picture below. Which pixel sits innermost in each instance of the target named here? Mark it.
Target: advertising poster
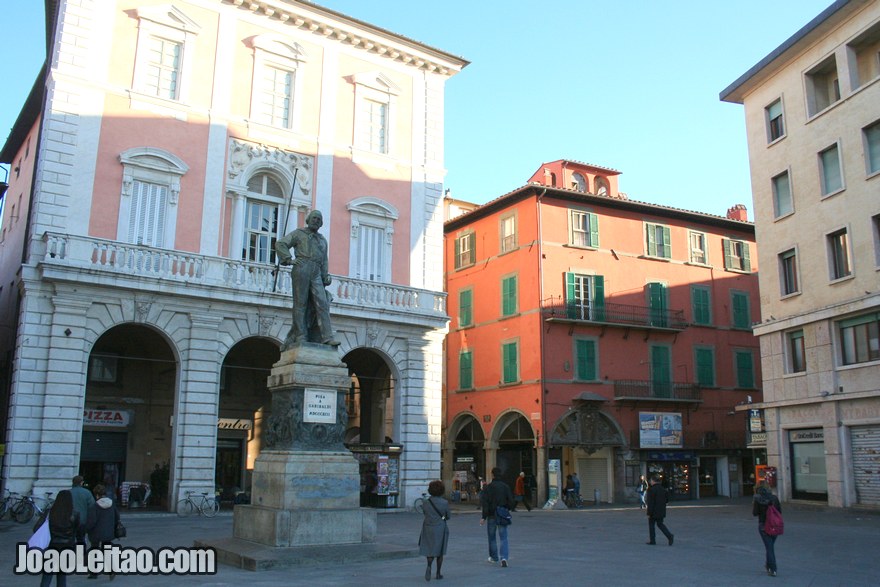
(660, 430)
(382, 471)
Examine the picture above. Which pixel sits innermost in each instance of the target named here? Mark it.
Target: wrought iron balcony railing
(614, 314)
(630, 389)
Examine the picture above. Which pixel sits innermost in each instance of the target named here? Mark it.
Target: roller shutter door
(106, 447)
(865, 441)
(594, 475)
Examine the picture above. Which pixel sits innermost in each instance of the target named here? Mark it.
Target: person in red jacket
(519, 492)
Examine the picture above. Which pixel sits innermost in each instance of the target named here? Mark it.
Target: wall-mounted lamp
(3, 184)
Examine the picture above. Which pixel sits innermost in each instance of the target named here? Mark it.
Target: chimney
(738, 212)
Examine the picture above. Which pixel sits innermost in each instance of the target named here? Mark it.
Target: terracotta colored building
(163, 149)
(599, 335)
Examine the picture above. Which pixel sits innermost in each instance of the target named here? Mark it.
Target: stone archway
(588, 428)
(514, 439)
(245, 404)
(128, 410)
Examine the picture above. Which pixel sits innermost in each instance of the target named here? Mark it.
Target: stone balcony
(114, 264)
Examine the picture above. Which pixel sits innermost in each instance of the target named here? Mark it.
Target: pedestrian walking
(655, 501)
(519, 492)
(764, 498)
(642, 489)
(102, 521)
(63, 528)
(496, 495)
(435, 532)
(82, 501)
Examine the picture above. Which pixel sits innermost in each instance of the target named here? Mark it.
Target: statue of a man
(308, 278)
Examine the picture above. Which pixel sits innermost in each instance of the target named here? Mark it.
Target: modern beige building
(813, 123)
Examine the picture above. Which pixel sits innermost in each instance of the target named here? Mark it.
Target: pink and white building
(163, 149)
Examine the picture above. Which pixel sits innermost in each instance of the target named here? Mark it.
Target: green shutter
(586, 360)
(465, 370)
(700, 305)
(657, 303)
(570, 306)
(728, 257)
(465, 308)
(599, 298)
(652, 244)
(745, 377)
(594, 230)
(667, 244)
(509, 359)
(458, 253)
(746, 262)
(741, 310)
(660, 371)
(508, 296)
(705, 367)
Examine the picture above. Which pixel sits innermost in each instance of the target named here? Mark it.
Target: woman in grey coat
(435, 533)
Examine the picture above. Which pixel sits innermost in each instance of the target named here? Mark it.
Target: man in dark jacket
(656, 499)
(496, 494)
(82, 501)
(102, 520)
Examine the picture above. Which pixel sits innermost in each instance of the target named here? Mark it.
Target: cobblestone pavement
(716, 544)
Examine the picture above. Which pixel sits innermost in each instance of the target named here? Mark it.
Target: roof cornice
(316, 19)
(537, 190)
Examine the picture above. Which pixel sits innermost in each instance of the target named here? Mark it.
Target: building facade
(164, 148)
(598, 335)
(812, 111)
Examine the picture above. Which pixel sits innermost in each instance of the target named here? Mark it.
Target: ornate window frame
(276, 52)
(155, 166)
(170, 23)
(376, 213)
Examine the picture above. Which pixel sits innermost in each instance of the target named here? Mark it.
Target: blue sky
(632, 85)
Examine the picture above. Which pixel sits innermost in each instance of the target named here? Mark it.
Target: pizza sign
(117, 418)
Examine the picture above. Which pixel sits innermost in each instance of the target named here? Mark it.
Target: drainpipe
(542, 440)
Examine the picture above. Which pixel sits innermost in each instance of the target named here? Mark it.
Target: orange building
(598, 335)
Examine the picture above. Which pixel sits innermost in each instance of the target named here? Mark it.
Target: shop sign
(755, 423)
(673, 455)
(234, 424)
(757, 439)
(660, 430)
(464, 459)
(812, 435)
(110, 418)
(319, 406)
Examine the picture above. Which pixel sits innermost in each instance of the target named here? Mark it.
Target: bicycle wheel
(210, 507)
(23, 512)
(185, 507)
(418, 503)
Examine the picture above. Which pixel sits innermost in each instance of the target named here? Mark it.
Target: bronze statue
(308, 278)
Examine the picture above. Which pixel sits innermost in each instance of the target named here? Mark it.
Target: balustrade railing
(176, 266)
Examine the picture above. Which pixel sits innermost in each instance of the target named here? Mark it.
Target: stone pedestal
(306, 484)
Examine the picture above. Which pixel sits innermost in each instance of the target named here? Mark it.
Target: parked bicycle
(26, 507)
(9, 498)
(419, 502)
(573, 500)
(201, 503)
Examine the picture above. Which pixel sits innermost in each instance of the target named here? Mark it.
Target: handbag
(41, 537)
(120, 531)
(502, 516)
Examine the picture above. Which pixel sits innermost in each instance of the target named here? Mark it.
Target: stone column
(306, 484)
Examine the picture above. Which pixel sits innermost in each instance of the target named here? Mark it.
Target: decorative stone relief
(244, 154)
(285, 429)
